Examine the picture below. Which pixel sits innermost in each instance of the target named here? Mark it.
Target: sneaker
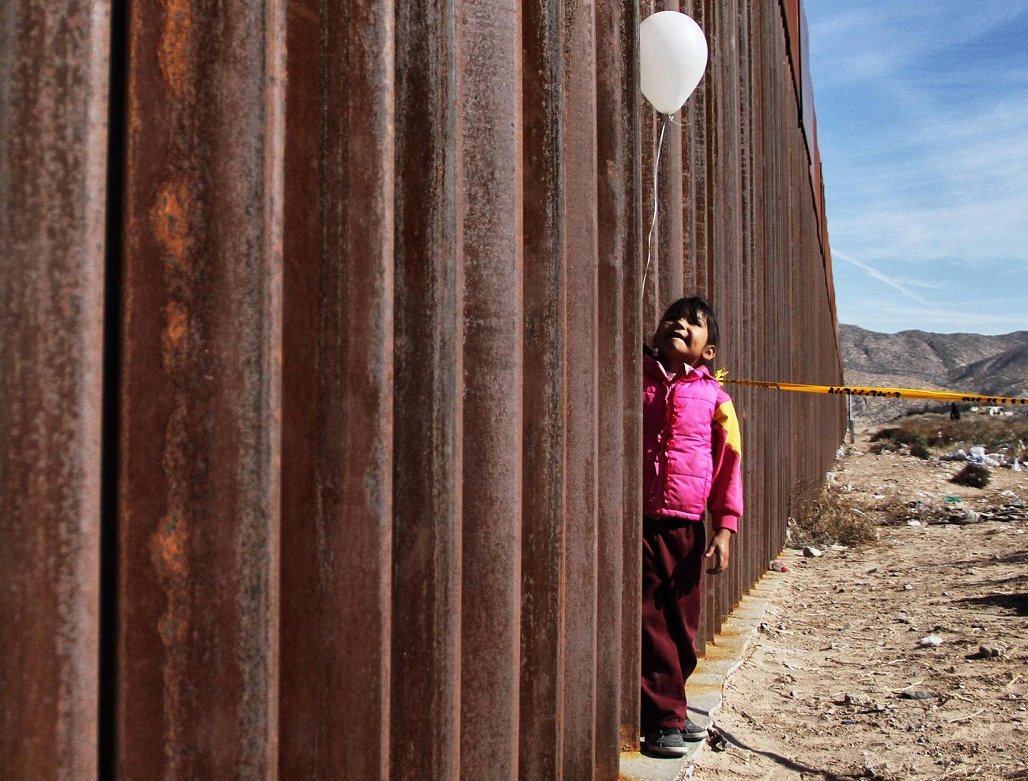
(666, 743)
(694, 731)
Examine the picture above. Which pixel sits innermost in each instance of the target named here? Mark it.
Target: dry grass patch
(825, 516)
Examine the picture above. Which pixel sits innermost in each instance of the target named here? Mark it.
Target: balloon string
(653, 222)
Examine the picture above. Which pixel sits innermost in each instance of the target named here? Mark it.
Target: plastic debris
(963, 517)
(813, 553)
(778, 566)
(977, 455)
(931, 641)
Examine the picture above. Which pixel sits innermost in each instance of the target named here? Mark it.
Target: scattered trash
(963, 516)
(869, 770)
(931, 641)
(953, 500)
(977, 455)
(813, 553)
(778, 566)
(908, 586)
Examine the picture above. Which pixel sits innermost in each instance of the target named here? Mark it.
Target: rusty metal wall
(375, 286)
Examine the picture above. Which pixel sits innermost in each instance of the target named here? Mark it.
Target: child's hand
(720, 550)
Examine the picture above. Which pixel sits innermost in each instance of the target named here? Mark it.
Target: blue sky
(922, 110)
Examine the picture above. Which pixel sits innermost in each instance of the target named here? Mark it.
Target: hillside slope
(975, 363)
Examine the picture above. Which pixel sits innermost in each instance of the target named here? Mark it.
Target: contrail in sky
(885, 279)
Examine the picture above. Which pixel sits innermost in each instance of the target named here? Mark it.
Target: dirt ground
(842, 682)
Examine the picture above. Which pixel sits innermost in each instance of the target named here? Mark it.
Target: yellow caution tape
(881, 393)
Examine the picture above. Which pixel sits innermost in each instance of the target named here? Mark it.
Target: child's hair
(693, 308)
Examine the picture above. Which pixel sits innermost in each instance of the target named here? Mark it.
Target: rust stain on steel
(173, 51)
(177, 329)
(169, 546)
(169, 217)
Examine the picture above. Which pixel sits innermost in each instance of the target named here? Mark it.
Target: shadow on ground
(1015, 603)
(792, 764)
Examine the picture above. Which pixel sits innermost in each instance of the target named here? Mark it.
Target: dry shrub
(895, 511)
(899, 436)
(972, 429)
(973, 476)
(822, 516)
(892, 511)
(893, 440)
(920, 451)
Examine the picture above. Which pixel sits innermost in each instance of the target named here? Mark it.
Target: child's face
(679, 342)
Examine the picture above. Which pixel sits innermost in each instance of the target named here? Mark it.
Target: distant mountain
(992, 365)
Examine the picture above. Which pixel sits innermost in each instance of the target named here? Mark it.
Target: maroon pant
(671, 600)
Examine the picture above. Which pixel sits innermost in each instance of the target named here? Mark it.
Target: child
(691, 462)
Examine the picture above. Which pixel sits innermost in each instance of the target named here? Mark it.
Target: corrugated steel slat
(338, 393)
(491, 186)
(53, 173)
(428, 391)
(198, 498)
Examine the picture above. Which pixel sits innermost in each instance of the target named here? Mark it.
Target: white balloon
(672, 58)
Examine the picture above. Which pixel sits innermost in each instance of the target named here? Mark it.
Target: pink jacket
(692, 451)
